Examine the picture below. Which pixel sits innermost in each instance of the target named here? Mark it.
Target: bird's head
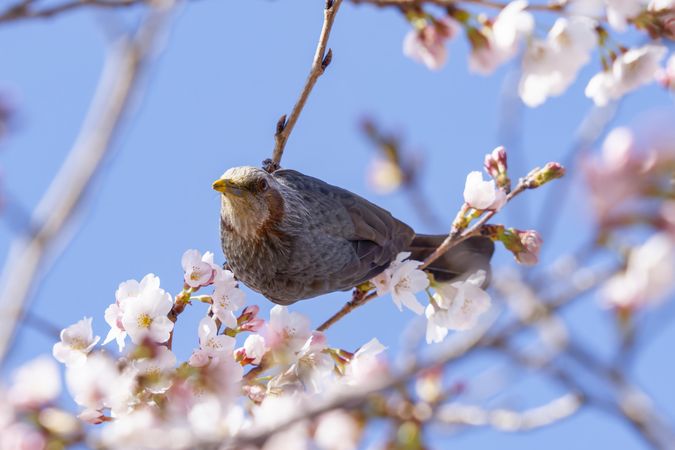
(251, 200)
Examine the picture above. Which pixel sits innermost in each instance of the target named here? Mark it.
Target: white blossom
(481, 194)
(457, 306)
(199, 270)
(384, 176)
(511, 25)
(406, 280)
(255, 348)
(35, 383)
(92, 385)
(648, 276)
(76, 342)
(313, 366)
(403, 280)
(550, 66)
(618, 12)
(146, 316)
(365, 364)
(212, 421)
(227, 298)
(211, 344)
(286, 329)
(155, 370)
(629, 71)
(337, 430)
(125, 291)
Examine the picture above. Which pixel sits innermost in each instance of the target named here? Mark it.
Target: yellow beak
(226, 187)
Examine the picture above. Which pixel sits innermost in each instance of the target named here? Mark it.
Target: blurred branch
(589, 131)
(321, 60)
(24, 10)
(509, 420)
(126, 63)
(461, 345)
(406, 170)
(554, 6)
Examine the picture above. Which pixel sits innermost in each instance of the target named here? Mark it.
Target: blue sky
(229, 70)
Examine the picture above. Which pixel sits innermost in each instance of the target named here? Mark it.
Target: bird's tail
(465, 258)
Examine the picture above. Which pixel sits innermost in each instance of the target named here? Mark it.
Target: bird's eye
(262, 185)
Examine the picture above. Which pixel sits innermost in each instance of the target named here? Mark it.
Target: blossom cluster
(146, 398)
(630, 185)
(245, 368)
(551, 63)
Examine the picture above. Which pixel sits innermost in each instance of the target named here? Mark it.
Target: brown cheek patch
(275, 203)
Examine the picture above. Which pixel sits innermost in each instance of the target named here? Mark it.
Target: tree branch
(124, 67)
(321, 60)
(23, 10)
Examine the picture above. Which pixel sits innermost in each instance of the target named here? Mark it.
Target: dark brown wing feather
(372, 236)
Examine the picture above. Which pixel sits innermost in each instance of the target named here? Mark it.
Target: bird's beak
(227, 187)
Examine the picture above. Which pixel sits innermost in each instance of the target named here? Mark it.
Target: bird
(292, 237)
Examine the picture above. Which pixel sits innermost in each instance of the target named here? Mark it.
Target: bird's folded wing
(374, 234)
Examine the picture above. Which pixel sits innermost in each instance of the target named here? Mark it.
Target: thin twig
(457, 236)
(359, 298)
(321, 60)
(117, 86)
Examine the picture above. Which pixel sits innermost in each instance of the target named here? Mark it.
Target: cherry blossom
(35, 383)
(481, 194)
(226, 297)
(199, 270)
(337, 430)
(76, 342)
(212, 421)
(146, 316)
(286, 330)
(427, 45)
(155, 370)
(254, 348)
(312, 365)
(457, 306)
(365, 363)
(531, 242)
(618, 12)
(92, 385)
(550, 66)
(125, 291)
(629, 71)
(403, 280)
(648, 276)
(384, 176)
(212, 346)
(493, 46)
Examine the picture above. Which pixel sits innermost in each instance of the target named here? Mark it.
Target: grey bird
(291, 237)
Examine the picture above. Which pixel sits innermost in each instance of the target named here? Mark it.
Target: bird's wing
(374, 236)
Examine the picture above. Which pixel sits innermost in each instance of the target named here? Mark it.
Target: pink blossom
(648, 276)
(427, 45)
(629, 71)
(199, 270)
(531, 242)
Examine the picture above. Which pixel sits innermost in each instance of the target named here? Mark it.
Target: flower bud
(530, 241)
(539, 177)
(249, 313)
(252, 325)
(495, 165)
